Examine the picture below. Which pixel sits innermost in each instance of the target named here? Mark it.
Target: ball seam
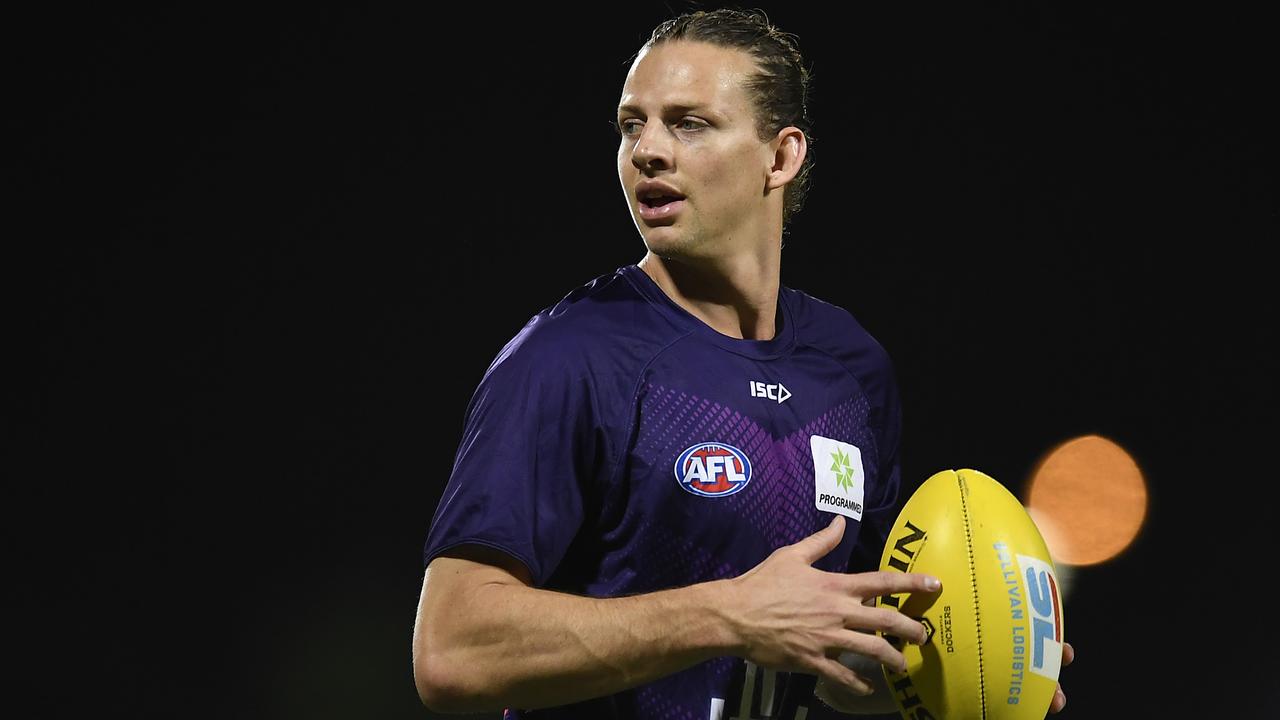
(973, 586)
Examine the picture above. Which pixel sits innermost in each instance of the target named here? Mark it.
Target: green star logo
(843, 469)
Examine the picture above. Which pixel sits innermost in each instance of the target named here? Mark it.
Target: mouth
(658, 201)
(660, 208)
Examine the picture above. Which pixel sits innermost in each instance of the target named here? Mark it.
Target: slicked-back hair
(779, 88)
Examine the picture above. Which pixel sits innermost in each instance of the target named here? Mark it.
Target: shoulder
(830, 327)
(604, 326)
(836, 332)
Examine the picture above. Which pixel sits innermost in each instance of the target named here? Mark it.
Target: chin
(662, 236)
(681, 246)
(666, 244)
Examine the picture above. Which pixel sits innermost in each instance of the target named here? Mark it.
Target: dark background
(258, 262)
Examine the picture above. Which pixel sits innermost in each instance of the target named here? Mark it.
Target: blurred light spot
(1089, 499)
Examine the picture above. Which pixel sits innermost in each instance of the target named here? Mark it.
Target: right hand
(793, 617)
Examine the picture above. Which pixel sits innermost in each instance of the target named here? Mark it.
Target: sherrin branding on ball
(995, 630)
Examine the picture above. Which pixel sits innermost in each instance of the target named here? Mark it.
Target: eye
(627, 127)
(690, 124)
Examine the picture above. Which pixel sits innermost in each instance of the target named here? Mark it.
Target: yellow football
(996, 629)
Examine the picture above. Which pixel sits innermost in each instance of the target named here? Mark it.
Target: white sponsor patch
(838, 478)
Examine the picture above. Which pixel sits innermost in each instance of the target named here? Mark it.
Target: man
(673, 484)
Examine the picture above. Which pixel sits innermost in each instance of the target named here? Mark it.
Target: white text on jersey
(777, 392)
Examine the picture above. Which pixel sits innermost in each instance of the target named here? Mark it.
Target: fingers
(1059, 697)
(888, 582)
(841, 698)
(874, 647)
(817, 545)
(890, 622)
(1059, 701)
(840, 677)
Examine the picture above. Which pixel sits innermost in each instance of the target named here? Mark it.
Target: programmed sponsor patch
(838, 477)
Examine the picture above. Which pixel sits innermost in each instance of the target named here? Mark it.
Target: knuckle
(888, 616)
(899, 580)
(892, 620)
(907, 624)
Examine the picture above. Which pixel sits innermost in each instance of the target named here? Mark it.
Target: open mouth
(661, 208)
(655, 202)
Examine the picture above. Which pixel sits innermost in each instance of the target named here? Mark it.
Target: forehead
(688, 74)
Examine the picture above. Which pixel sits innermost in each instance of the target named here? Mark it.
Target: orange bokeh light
(1089, 499)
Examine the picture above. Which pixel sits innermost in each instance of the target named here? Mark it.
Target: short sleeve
(527, 451)
(882, 507)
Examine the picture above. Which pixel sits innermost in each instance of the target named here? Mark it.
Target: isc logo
(770, 391)
(1046, 616)
(713, 469)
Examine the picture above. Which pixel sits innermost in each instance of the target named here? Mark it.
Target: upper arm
(449, 579)
(468, 565)
(531, 447)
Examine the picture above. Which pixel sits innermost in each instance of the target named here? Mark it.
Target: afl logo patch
(713, 469)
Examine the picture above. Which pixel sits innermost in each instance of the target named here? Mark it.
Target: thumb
(822, 542)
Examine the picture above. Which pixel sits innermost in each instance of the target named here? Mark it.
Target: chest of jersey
(732, 457)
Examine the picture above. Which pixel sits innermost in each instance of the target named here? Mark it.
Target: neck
(736, 296)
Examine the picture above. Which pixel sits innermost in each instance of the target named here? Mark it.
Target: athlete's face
(687, 122)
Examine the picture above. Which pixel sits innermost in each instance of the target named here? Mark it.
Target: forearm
(523, 647)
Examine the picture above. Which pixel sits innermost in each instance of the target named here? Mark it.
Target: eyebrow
(673, 107)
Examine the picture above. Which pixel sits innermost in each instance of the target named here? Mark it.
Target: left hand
(847, 702)
(1060, 698)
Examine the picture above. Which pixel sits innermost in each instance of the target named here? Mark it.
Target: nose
(652, 150)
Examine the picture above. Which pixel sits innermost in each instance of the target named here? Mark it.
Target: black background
(258, 262)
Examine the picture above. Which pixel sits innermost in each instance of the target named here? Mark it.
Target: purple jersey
(618, 445)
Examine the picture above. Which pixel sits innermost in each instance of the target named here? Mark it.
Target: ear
(789, 148)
